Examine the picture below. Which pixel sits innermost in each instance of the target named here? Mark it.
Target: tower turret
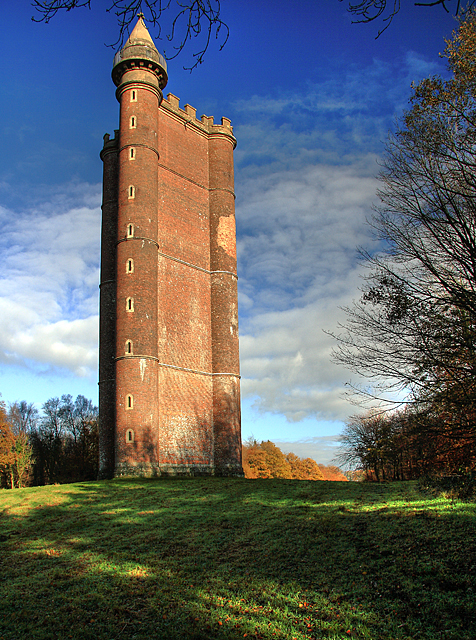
(139, 73)
(140, 53)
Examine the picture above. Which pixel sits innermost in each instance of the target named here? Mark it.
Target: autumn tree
(294, 462)
(255, 463)
(276, 461)
(7, 443)
(266, 460)
(23, 417)
(15, 450)
(413, 330)
(304, 469)
(332, 473)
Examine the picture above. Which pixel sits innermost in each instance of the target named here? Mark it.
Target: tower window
(129, 347)
(129, 401)
(129, 265)
(129, 436)
(132, 192)
(130, 305)
(134, 95)
(130, 230)
(132, 153)
(133, 122)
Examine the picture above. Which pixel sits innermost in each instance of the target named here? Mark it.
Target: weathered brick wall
(185, 422)
(176, 357)
(197, 225)
(107, 310)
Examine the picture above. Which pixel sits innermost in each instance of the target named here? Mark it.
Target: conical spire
(140, 34)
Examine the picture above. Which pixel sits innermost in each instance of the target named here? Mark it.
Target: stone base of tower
(156, 471)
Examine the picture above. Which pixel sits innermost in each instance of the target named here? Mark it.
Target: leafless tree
(23, 416)
(414, 328)
(370, 10)
(184, 21)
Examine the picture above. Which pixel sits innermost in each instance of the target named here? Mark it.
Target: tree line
(60, 444)
(413, 331)
(266, 460)
(407, 444)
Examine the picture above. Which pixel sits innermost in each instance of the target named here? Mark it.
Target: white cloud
(322, 449)
(306, 181)
(344, 116)
(49, 283)
(306, 166)
(297, 247)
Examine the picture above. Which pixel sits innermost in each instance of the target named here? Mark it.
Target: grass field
(230, 558)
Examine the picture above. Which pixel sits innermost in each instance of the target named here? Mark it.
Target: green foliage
(458, 486)
(219, 558)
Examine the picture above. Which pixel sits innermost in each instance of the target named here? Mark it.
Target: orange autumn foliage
(266, 460)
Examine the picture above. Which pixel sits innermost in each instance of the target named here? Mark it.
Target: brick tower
(169, 384)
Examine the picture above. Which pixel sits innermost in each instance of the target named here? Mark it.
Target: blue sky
(311, 98)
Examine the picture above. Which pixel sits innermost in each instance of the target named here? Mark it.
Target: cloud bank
(306, 182)
(49, 283)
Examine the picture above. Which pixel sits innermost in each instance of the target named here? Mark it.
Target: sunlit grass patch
(219, 558)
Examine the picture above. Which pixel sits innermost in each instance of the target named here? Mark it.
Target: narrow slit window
(129, 436)
(129, 401)
(129, 265)
(132, 192)
(130, 305)
(132, 153)
(129, 347)
(133, 122)
(130, 230)
(134, 95)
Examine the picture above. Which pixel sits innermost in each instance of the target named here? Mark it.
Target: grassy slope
(221, 558)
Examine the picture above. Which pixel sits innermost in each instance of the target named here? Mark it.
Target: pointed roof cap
(140, 34)
(140, 49)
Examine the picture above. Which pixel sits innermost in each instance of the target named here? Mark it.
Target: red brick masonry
(169, 362)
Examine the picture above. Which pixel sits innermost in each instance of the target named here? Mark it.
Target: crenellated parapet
(205, 124)
(111, 145)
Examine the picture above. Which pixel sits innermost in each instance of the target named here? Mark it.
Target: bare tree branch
(184, 20)
(414, 328)
(371, 10)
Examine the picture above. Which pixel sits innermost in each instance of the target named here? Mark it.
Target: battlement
(189, 114)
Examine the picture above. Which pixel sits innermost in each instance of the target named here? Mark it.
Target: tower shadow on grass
(203, 558)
